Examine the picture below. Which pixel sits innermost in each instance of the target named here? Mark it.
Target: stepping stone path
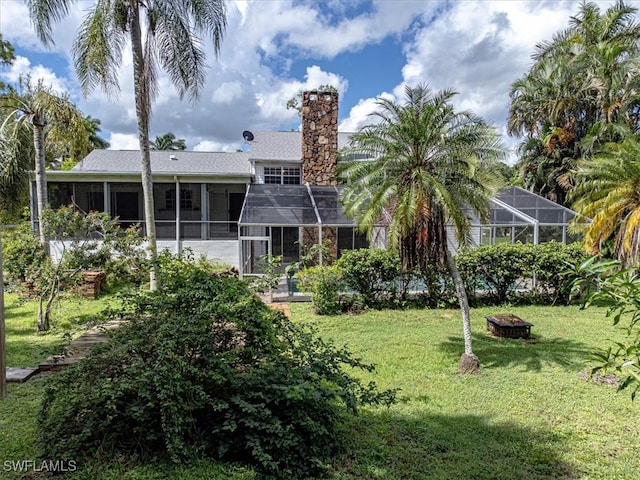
(20, 375)
(78, 348)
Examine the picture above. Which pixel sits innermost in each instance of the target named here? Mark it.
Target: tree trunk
(469, 363)
(143, 112)
(41, 175)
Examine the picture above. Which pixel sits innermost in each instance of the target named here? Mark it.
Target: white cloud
(211, 146)
(16, 27)
(359, 115)
(22, 67)
(481, 59)
(123, 141)
(475, 47)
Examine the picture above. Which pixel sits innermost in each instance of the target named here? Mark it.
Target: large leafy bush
(497, 269)
(326, 286)
(23, 256)
(505, 272)
(373, 273)
(553, 268)
(203, 368)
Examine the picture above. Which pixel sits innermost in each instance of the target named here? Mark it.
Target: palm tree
(172, 40)
(608, 192)
(603, 47)
(66, 154)
(16, 161)
(168, 141)
(584, 85)
(38, 109)
(7, 55)
(424, 176)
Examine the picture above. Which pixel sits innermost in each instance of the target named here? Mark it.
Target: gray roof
(266, 147)
(282, 146)
(167, 162)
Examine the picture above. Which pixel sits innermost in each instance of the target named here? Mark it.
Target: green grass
(528, 415)
(26, 347)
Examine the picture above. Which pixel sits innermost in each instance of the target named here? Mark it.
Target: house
(275, 197)
(233, 207)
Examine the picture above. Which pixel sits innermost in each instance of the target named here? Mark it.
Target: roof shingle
(167, 162)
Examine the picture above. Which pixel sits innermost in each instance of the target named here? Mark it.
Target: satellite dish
(247, 135)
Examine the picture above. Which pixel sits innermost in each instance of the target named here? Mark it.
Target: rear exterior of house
(201, 198)
(277, 197)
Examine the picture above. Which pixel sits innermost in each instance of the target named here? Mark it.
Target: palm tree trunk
(468, 362)
(41, 175)
(143, 111)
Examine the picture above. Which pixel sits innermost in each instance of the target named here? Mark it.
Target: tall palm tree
(584, 84)
(608, 192)
(39, 110)
(424, 176)
(172, 39)
(168, 141)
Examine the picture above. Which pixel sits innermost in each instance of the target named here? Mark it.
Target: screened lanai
(518, 215)
(282, 219)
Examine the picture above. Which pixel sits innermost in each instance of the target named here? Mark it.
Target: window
(290, 176)
(350, 238)
(282, 175)
(186, 199)
(272, 175)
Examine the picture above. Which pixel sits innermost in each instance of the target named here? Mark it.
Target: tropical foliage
(172, 41)
(168, 141)
(80, 242)
(424, 176)
(619, 290)
(581, 92)
(33, 117)
(71, 153)
(7, 55)
(608, 192)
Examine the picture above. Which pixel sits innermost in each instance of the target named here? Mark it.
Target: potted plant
(292, 282)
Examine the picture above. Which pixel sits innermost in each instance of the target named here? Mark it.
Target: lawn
(26, 347)
(528, 415)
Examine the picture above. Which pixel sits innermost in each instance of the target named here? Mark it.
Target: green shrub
(553, 270)
(326, 286)
(373, 273)
(606, 283)
(203, 368)
(23, 256)
(439, 288)
(95, 241)
(497, 269)
(500, 270)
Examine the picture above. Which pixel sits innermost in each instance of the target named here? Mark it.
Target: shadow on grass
(25, 353)
(390, 445)
(531, 353)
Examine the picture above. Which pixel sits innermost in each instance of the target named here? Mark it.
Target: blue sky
(274, 49)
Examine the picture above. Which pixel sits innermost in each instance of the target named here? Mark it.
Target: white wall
(225, 251)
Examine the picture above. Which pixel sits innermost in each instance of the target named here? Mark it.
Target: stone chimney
(319, 137)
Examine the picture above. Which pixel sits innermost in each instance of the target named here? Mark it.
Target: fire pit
(508, 325)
